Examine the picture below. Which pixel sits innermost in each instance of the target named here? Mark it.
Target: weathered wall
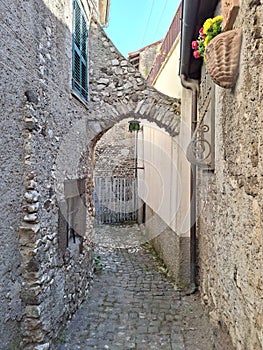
(164, 185)
(55, 277)
(11, 174)
(147, 57)
(49, 139)
(173, 243)
(172, 248)
(230, 226)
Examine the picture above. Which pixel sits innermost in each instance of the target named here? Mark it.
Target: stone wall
(147, 57)
(49, 138)
(55, 276)
(11, 176)
(230, 225)
(143, 59)
(115, 152)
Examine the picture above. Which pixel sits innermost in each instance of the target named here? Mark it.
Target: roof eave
(194, 14)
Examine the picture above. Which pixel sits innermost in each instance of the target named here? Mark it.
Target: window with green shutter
(80, 51)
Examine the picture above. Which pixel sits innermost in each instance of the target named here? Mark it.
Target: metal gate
(115, 200)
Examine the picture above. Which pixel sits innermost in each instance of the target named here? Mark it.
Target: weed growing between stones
(159, 264)
(98, 263)
(62, 338)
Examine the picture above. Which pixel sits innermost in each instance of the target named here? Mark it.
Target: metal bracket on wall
(200, 150)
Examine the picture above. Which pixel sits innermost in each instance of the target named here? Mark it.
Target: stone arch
(117, 90)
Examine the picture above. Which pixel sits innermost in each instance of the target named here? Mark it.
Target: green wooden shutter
(80, 54)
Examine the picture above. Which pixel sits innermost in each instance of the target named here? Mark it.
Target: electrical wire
(160, 19)
(147, 23)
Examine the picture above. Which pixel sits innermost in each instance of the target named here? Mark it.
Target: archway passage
(117, 91)
(115, 180)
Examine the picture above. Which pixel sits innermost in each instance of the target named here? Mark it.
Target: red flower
(201, 31)
(194, 45)
(196, 54)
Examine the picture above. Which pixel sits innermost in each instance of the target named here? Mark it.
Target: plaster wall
(164, 184)
(11, 175)
(168, 80)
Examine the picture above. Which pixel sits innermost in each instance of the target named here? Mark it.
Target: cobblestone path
(132, 305)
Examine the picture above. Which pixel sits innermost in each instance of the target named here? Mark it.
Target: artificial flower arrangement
(211, 28)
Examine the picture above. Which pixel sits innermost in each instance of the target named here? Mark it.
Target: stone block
(27, 234)
(33, 311)
(103, 81)
(45, 346)
(115, 62)
(32, 196)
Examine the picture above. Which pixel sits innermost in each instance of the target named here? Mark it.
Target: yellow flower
(217, 19)
(207, 39)
(207, 25)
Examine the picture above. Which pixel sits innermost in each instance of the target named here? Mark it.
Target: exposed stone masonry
(49, 136)
(115, 152)
(119, 91)
(230, 225)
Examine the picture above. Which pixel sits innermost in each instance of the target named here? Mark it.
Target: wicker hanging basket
(222, 57)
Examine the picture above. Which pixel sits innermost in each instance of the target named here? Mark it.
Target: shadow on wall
(40, 288)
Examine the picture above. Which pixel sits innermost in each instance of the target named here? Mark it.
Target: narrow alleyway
(132, 305)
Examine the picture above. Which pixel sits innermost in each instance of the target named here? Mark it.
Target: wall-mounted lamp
(134, 125)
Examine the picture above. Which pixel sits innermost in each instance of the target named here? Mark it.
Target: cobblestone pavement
(132, 305)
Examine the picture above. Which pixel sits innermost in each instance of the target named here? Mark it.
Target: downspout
(193, 85)
(193, 15)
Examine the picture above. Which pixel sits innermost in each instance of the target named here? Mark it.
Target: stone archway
(118, 91)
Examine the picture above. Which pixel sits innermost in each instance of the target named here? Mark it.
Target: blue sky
(134, 24)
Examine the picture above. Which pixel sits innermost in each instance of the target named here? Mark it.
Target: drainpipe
(136, 176)
(193, 85)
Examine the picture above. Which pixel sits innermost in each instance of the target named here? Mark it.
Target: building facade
(47, 259)
(64, 85)
(229, 176)
(143, 59)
